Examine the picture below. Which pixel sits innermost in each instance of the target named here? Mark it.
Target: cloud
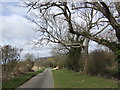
(92, 46)
(16, 8)
(10, 0)
(15, 30)
(13, 7)
(16, 27)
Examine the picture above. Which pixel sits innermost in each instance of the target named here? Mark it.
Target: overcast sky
(16, 30)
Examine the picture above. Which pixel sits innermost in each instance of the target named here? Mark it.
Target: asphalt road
(42, 80)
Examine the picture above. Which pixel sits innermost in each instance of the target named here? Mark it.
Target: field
(69, 79)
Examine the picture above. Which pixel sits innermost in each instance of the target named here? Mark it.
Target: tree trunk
(85, 70)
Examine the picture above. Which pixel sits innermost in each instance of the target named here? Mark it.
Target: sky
(17, 31)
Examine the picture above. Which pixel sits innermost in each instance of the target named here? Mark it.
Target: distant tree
(10, 57)
(10, 54)
(29, 56)
(59, 56)
(29, 61)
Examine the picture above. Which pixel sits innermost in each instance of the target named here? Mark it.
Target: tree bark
(86, 57)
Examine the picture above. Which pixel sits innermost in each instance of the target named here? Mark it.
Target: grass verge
(69, 79)
(18, 80)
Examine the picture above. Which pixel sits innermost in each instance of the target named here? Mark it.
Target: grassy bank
(18, 80)
(69, 79)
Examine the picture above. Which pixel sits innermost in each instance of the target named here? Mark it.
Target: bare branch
(101, 30)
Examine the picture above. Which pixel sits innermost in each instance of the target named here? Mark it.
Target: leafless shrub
(100, 62)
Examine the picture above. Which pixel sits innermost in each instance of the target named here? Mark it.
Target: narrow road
(42, 80)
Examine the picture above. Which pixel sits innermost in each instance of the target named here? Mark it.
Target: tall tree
(66, 11)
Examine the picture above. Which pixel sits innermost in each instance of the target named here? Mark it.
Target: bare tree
(10, 54)
(105, 9)
(66, 13)
(29, 56)
(29, 61)
(10, 57)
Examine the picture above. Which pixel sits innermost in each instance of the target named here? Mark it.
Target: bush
(113, 72)
(25, 66)
(8, 70)
(73, 59)
(15, 69)
(100, 62)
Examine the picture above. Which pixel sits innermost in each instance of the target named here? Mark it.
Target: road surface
(42, 80)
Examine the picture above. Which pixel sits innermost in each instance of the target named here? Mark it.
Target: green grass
(18, 80)
(69, 79)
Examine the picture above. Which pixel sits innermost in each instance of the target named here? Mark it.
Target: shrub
(25, 66)
(113, 71)
(15, 69)
(8, 70)
(100, 62)
(73, 59)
